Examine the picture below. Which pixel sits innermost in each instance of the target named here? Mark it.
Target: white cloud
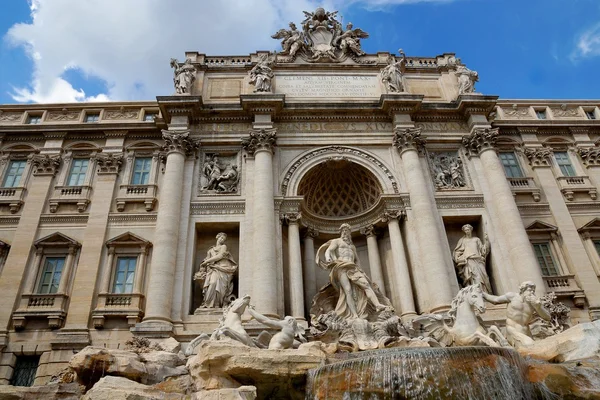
(588, 44)
(128, 44)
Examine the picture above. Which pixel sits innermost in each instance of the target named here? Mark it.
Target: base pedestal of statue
(208, 311)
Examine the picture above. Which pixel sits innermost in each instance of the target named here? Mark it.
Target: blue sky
(86, 50)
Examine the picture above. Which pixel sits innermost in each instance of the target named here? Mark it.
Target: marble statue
(216, 272)
(357, 296)
(293, 40)
(466, 329)
(523, 308)
(469, 255)
(228, 181)
(212, 172)
(183, 76)
(230, 325)
(447, 170)
(350, 40)
(391, 75)
(285, 338)
(261, 75)
(466, 79)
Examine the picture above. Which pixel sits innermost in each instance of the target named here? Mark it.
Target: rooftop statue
(466, 79)
(261, 75)
(183, 76)
(391, 75)
(293, 40)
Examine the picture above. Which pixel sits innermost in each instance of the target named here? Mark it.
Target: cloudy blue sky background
(86, 50)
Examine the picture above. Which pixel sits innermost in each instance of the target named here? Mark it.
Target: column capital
(291, 218)
(538, 156)
(368, 230)
(479, 140)
(586, 235)
(311, 232)
(260, 140)
(589, 155)
(389, 215)
(109, 163)
(408, 139)
(179, 142)
(44, 164)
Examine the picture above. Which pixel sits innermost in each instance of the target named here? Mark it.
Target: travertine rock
(171, 345)
(579, 342)
(241, 393)
(117, 388)
(60, 391)
(570, 380)
(92, 363)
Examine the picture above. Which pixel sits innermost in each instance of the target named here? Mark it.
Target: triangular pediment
(593, 225)
(127, 239)
(540, 226)
(56, 239)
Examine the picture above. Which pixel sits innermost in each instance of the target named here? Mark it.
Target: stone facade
(107, 210)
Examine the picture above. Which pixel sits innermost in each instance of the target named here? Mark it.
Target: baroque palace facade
(107, 210)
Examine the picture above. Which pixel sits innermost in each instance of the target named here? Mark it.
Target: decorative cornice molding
(180, 142)
(131, 218)
(44, 164)
(538, 156)
(221, 207)
(260, 140)
(480, 140)
(458, 202)
(71, 219)
(589, 155)
(109, 163)
(408, 139)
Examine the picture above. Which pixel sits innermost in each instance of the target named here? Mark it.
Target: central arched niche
(339, 188)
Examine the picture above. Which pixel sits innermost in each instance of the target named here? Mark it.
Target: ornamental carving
(589, 155)
(311, 232)
(180, 142)
(44, 164)
(291, 218)
(447, 170)
(109, 163)
(322, 39)
(517, 112)
(408, 139)
(389, 215)
(10, 116)
(219, 175)
(260, 139)
(122, 113)
(63, 115)
(368, 230)
(565, 112)
(480, 140)
(539, 156)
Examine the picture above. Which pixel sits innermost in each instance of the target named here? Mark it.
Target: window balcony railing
(80, 196)
(52, 306)
(118, 305)
(12, 197)
(569, 185)
(565, 286)
(145, 194)
(525, 185)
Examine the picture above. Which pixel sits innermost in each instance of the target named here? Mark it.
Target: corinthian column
(374, 259)
(260, 143)
(481, 143)
(310, 273)
(433, 253)
(159, 296)
(295, 260)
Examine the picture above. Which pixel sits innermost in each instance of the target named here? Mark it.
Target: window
(149, 117)
(50, 278)
(14, 173)
(511, 165)
(92, 117)
(590, 114)
(597, 246)
(25, 370)
(545, 259)
(78, 171)
(540, 114)
(141, 171)
(34, 119)
(124, 275)
(564, 163)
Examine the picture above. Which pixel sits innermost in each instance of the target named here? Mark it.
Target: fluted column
(403, 284)
(433, 252)
(374, 259)
(295, 260)
(481, 143)
(159, 295)
(309, 267)
(260, 143)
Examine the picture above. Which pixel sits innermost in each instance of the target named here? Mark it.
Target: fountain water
(426, 373)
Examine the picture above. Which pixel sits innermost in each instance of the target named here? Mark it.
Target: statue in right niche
(469, 255)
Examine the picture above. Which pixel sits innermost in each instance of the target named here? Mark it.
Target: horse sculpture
(466, 329)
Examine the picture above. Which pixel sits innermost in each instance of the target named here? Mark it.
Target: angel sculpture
(350, 40)
(293, 40)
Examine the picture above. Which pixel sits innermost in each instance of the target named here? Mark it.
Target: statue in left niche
(261, 75)
(216, 274)
(183, 76)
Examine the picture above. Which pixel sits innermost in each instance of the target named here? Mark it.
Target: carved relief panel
(447, 171)
(219, 173)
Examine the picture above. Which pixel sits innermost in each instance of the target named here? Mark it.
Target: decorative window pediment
(127, 239)
(541, 227)
(56, 239)
(591, 227)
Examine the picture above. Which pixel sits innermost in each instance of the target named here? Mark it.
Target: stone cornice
(481, 139)
(538, 156)
(44, 164)
(400, 103)
(264, 103)
(408, 139)
(260, 140)
(180, 142)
